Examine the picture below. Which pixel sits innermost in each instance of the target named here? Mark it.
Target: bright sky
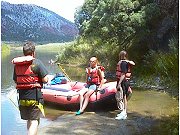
(65, 8)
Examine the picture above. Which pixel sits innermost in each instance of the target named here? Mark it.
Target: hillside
(20, 22)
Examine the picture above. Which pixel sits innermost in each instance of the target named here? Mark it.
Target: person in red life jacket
(123, 74)
(95, 80)
(29, 76)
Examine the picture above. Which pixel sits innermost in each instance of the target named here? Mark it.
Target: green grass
(53, 47)
(5, 50)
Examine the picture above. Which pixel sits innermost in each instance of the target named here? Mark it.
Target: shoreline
(100, 123)
(143, 118)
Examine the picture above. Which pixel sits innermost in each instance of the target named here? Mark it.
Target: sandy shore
(98, 123)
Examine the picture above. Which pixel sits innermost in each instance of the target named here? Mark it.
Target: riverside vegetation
(5, 50)
(148, 30)
(169, 125)
(158, 71)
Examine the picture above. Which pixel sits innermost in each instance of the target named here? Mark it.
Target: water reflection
(10, 118)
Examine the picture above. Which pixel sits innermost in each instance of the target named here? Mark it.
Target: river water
(154, 103)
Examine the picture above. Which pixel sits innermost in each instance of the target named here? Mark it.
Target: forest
(147, 29)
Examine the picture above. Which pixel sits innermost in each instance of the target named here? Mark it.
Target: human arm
(130, 62)
(45, 79)
(87, 74)
(41, 70)
(14, 76)
(124, 70)
(120, 81)
(101, 77)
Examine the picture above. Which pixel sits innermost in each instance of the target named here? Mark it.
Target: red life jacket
(93, 77)
(119, 72)
(26, 79)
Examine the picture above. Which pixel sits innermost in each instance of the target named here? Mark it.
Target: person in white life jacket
(123, 74)
(29, 76)
(95, 80)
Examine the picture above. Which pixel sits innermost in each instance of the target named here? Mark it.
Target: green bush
(163, 65)
(5, 50)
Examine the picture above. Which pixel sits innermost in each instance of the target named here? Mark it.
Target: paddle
(63, 71)
(59, 65)
(11, 95)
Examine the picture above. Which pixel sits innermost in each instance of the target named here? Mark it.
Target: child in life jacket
(95, 80)
(123, 74)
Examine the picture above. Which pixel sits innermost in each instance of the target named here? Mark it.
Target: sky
(64, 8)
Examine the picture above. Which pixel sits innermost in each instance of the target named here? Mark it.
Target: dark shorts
(125, 86)
(30, 112)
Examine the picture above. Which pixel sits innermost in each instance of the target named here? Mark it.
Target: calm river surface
(152, 103)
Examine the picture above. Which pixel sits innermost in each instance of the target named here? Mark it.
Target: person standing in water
(29, 76)
(123, 74)
(95, 80)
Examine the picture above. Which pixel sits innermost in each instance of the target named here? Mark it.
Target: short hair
(123, 55)
(28, 48)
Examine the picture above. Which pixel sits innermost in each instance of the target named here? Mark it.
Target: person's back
(29, 76)
(123, 74)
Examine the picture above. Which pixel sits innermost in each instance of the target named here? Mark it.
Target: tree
(117, 22)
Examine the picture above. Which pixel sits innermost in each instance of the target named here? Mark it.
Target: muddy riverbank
(103, 123)
(98, 123)
(145, 116)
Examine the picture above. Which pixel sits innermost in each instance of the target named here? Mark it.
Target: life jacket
(119, 72)
(93, 77)
(26, 78)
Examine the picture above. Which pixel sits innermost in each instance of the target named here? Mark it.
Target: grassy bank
(53, 47)
(5, 50)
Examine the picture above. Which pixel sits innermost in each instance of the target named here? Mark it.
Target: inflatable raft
(68, 93)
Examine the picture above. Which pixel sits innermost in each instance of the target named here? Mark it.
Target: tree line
(147, 30)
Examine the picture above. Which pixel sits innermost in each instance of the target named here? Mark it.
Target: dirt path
(99, 123)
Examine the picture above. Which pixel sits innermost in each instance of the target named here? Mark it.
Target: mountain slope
(20, 22)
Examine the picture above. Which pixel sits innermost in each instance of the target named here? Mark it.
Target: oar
(10, 94)
(63, 71)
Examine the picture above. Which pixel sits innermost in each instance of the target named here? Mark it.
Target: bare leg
(28, 124)
(86, 100)
(125, 103)
(81, 100)
(82, 97)
(32, 127)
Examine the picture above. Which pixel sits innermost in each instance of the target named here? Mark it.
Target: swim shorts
(30, 112)
(91, 86)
